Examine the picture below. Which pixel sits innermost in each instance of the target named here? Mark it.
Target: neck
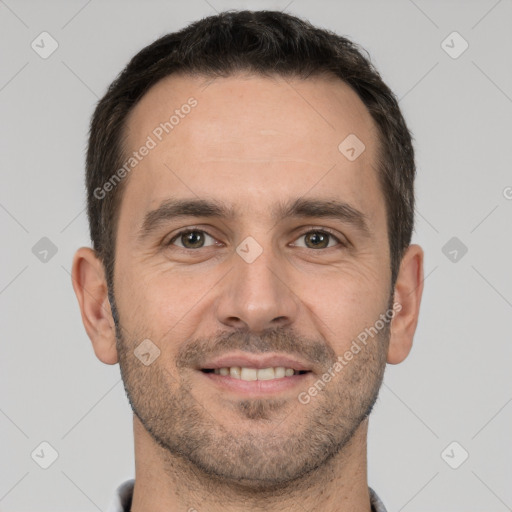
(165, 482)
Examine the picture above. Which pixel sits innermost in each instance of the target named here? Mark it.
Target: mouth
(256, 375)
(251, 374)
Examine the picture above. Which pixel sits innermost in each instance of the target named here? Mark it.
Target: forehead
(249, 140)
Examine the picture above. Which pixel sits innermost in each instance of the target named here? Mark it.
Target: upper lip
(256, 361)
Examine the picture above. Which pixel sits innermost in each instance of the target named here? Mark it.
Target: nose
(257, 295)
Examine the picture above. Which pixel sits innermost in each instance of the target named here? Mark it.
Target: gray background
(456, 383)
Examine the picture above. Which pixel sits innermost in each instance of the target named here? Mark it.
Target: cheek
(166, 304)
(346, 302)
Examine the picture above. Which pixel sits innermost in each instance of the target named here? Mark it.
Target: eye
(197, 238)
(191, 239)
(318, 239)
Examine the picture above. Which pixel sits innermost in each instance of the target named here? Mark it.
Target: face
(280, 258)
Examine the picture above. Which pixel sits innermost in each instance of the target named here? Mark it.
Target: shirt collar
(122, 499)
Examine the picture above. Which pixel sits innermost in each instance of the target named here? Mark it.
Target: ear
(90, 285)
(408, 292)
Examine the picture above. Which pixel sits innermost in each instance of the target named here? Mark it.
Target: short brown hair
(264, 43)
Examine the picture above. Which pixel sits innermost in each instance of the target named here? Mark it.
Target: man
(250, 199)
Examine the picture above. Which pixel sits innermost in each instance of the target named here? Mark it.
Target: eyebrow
(171, 209)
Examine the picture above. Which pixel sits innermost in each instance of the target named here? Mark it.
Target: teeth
(265, 374)
(235, 371)
(279, 372)
(242, 373)
(249, 374)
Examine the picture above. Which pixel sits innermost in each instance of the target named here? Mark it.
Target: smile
(251, 374)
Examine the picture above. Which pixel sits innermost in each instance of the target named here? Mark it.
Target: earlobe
(90, 286)
(408, 292)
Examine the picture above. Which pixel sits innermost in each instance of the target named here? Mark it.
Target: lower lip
(258, 387)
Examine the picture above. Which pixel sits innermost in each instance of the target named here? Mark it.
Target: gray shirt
(123, 499)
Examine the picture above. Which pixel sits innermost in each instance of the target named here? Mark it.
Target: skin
(251, 142)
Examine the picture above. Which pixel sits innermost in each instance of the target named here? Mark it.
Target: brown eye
(191, 239)
(318, 240)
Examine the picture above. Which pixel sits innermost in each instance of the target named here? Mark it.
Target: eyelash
(324, 231)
